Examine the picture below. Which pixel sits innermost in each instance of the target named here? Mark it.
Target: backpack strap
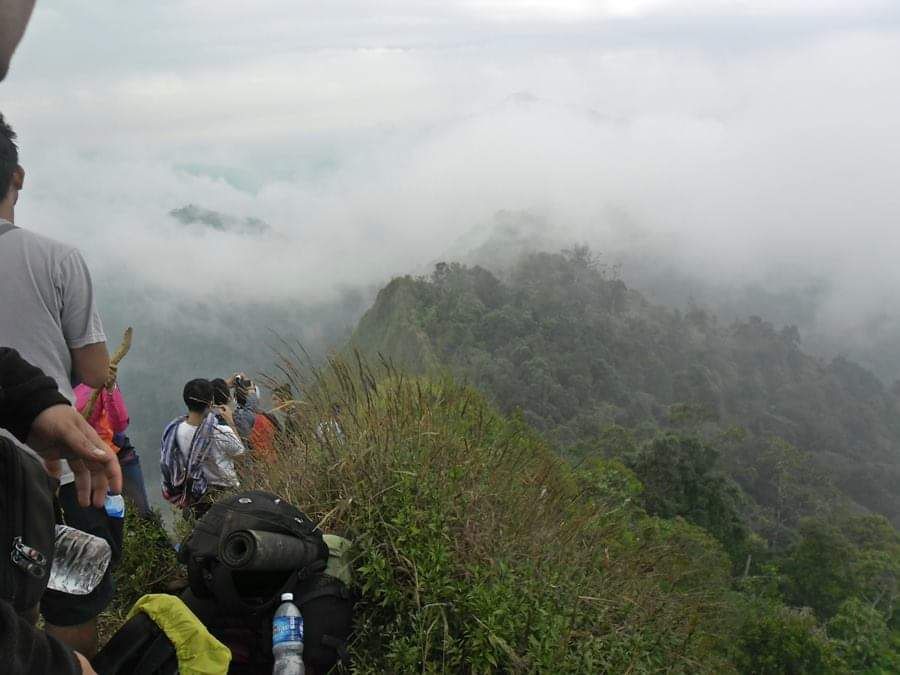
(139, 647)
(160, 657)
(187, 497)
(337, 589)
(328, 586)
(339, 646)
(187, 488)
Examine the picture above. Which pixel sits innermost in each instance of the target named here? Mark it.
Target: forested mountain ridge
(563, 339)
(790, 462)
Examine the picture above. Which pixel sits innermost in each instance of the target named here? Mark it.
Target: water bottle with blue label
(287, 638)
(115, 506)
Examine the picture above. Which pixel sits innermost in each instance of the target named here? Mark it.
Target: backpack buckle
(316, 567)
(28, 559)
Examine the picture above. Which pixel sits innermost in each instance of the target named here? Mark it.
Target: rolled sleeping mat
(258, 551)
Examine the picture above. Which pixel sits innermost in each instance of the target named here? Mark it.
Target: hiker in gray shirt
(48, 314)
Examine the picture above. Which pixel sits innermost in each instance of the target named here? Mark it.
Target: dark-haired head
(10, 170)
(198, 395)
(221, 392)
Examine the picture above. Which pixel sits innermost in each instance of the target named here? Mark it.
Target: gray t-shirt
(46, 304)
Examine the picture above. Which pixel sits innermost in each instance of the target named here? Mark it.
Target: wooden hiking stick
(114, 361)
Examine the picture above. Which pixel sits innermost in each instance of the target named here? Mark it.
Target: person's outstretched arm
(34, 411)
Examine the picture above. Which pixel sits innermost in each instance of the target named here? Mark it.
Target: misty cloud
(757, 143)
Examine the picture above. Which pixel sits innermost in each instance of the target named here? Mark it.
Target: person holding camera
(246, 396)
(197, 452)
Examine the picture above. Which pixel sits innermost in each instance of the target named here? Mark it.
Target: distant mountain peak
(192, 215)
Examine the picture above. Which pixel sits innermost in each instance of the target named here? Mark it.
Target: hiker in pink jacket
(109, 419)
(109, 416)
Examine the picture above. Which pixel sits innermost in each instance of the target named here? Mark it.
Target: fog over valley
(738, 156)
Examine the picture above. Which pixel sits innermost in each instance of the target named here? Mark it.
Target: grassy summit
(480, 550)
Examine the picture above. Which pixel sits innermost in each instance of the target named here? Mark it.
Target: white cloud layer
(756, 139)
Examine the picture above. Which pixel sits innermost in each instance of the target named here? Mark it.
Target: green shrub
(680, 479)
(478, 549)
(862, 639)
(776, 639)
(819, 569)
(148, 565)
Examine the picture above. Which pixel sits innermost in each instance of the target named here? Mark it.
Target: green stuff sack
(162, 637)
(340, 562)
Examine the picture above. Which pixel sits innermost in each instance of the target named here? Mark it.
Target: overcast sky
(753, 138)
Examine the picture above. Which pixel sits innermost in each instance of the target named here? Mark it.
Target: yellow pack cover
(199, 653)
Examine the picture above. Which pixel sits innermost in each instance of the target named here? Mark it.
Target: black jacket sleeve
(25, 650)
(25, 392)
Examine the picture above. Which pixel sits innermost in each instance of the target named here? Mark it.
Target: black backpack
(28, 518)
(242, 555)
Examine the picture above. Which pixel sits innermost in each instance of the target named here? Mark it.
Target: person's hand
(60, 432)
(226, 413)
(113, 374)
(86, 667)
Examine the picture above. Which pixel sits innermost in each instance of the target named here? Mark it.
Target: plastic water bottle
(115, 506)
(287, 638)
(79, 561)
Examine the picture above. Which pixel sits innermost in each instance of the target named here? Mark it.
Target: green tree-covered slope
(578, 352)
(788, 462)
